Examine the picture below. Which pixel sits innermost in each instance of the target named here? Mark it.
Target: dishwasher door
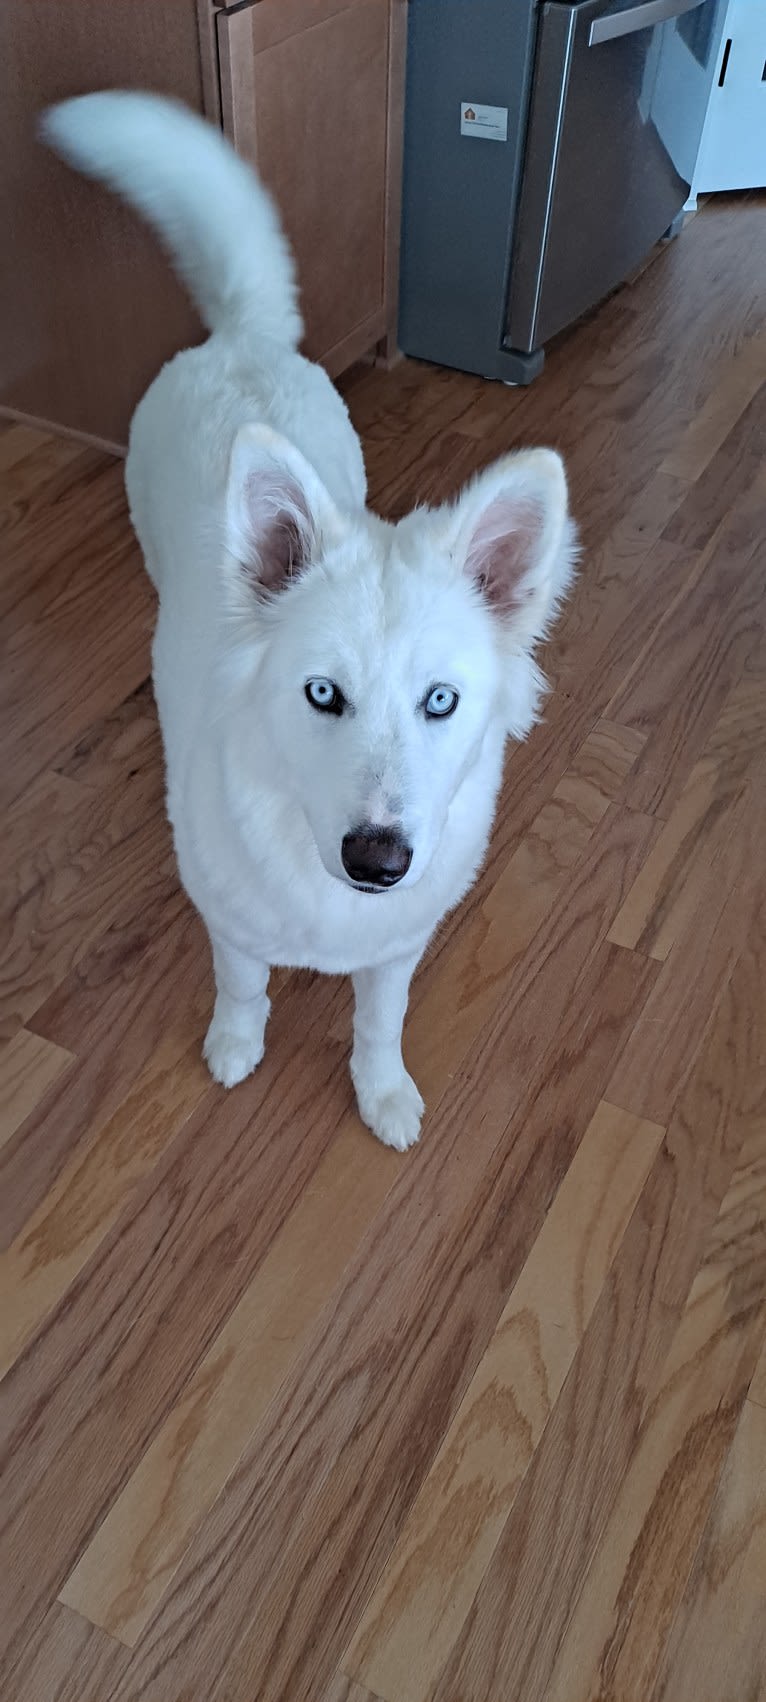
(619, 97)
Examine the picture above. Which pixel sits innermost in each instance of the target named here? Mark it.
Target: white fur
(247, 489)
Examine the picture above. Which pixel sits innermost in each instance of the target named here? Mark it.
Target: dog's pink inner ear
(504, 547)
(280, 533)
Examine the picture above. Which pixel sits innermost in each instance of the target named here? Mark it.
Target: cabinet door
(733, 149)
(312, 93)
(89, 306)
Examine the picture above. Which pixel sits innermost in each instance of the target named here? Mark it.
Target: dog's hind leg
(234, 1043)
(388, 1099)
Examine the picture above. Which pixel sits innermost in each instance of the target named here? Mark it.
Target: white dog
(335, 692)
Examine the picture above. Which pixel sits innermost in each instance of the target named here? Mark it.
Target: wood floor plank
(121, 989)
(457, 1251)
(19, 442)
(741, 380)
(29, 1065)
(84, 662)
(630, 1597)
(516, 1627)
(88, 1195)
(611, 586)
(40, 814)
(549, 929)
(41, 480)
(674, 878)
(414, 1615)
(128, 737)
(125, 1571)
(739, 737)
(105, 860)
(718, 1646)
(757, 1390)
(67, 1660)
(342, 1689)
(458, 989)
(55, 549)
(148, 1305)
(658, 1055)
(678, 684)
(386, 403)
(727, 477)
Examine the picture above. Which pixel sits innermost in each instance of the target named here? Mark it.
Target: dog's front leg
(387, 1097)
(234, 1042)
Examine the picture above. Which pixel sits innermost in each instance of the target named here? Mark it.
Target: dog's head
(377, 658)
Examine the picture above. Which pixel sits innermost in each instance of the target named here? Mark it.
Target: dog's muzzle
(375, 858)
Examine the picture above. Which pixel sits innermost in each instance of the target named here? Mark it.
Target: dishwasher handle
(641, 17)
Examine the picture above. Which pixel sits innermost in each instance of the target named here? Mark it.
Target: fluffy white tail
(207, 206)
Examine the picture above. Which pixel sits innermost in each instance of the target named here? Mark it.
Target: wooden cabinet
(312, 93)
(89, 308)
(311, 90)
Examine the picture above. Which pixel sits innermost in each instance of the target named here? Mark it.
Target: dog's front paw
(229, 1056)
(394, 1115)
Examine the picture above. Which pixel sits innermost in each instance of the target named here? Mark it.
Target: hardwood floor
(287, 1417)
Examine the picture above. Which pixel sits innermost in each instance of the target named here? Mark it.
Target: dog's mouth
(357, 886)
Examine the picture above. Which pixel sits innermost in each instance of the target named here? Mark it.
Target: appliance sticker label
(487, 122)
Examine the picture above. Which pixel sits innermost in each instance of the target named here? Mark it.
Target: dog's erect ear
(276, 509)
(515, 540)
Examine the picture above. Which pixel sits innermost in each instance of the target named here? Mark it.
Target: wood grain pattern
(730, 473)
(741, 380)
(88, 1195)
(85, 663)
(40, 474)
(461, 987)
(343, 1689)
(119, 988)
(662, 1047)
(680, 681)
(718, 1643)
(285, 1415)
(29, 1065)
(629, 1600)
(68, 1660)
(513, 1635)
(407, 1629)
(110, 856)
(125, 1571)
(671, 884)
(458, 1250)
(54, 542)
(757, 1390)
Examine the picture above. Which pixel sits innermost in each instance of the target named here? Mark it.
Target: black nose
(373, 856)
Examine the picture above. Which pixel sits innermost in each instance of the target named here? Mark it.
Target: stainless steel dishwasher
(548, 147)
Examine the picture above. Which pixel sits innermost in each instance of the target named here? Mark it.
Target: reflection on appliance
(606, 101)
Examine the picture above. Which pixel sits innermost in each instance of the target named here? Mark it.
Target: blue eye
(325, 696)
(441, 702)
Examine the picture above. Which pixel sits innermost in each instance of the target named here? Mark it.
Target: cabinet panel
(733, 149)
(311, 93)
(89, 307)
